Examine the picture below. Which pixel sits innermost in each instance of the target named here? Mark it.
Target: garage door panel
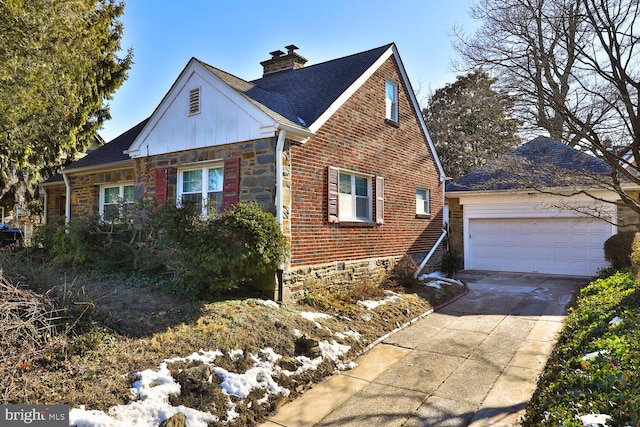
(547, 245)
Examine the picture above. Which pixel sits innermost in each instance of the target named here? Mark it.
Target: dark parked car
(10, 235)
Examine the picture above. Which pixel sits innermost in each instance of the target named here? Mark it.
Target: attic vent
(194, 101)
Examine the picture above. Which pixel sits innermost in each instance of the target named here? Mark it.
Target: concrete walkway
(472, 363)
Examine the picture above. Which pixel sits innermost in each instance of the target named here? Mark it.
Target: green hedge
(607, 383)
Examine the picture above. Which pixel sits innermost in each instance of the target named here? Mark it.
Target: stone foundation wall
(297, 280)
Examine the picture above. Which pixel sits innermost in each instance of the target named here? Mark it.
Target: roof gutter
(67, 202)
(431, 252)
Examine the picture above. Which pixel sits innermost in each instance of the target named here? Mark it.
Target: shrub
(608, 383)
(205, 257)
(617, 249)
(403, 272)
(243, 245)
(451, 263)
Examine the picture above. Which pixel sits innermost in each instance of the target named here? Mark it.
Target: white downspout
(442, 236)
(67, 202)
(46, 204)
(431, 252)
(282, 135)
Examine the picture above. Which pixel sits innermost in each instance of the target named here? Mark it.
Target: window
(194, 101)
(202, 186)
(355, 197)
(422, 202)
(114, 200)
(350, 197)
(391, 97)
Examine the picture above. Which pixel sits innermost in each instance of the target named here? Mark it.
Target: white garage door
(550, 245)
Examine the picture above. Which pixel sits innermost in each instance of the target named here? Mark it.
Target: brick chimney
(280, 61)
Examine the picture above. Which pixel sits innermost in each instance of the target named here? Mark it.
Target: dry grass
(121, 328)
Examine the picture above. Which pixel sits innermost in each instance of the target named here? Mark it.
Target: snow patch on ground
(372, 304)
(437, 279)
(594, 420)
(150, 393)
(312, 316)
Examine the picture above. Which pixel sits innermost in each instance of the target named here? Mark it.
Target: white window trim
(120, 186)
(204, 192)
(393, 113)
(354, 198)
(428, 200)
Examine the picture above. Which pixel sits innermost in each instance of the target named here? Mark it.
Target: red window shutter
(333, 194)
(161, 193)
(231, 183)
(379, 200)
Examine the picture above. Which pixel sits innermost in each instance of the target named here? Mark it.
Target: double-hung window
(355, 197)
(203, 187)
(391, 101)
(422, 201)
(352, 197)
(114, 200)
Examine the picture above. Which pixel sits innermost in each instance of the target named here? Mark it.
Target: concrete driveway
(473, 363)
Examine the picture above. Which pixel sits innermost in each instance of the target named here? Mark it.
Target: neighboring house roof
(542, 162)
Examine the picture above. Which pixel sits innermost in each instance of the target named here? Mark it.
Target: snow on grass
(594, 420)
(372, 304)
(260, 376)
(269, 303)
(312, 316)
(348, 334)
(150, 393)
(150, 406)
(437, 279)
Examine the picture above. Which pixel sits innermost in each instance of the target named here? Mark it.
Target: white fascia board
(349, 92)
(195, 67)
(416, 107)
(361, 80)
(115, 166)
(488, 197)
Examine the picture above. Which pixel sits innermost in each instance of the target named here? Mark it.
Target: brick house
(337, 151)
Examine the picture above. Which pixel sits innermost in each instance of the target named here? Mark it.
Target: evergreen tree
(59, 66)
(469, 124)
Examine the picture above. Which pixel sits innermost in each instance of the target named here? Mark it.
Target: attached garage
(499, 220)
(541, 245)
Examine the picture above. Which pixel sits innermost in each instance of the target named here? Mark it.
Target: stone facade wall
(85, 190)
(628, 220)
(456, 223)
(298, 279)
(257, 169)
(56, 200)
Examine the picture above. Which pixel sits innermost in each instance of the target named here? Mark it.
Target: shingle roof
(110, 152)
(311, 90)
(541, 162)
(274, 104)
(295, 97)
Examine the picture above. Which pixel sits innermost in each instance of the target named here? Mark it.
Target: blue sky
(236, 35)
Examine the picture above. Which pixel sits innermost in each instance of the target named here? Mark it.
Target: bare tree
(575, 71)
